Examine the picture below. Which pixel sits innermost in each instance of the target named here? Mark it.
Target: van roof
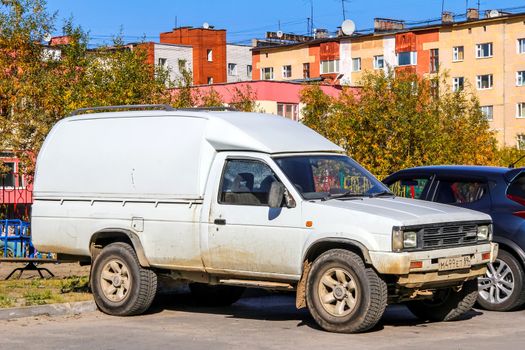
(228, 130)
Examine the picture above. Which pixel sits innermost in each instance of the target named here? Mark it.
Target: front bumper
(389, 263)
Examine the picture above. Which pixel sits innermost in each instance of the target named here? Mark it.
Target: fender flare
(347, 241)
(132, 236)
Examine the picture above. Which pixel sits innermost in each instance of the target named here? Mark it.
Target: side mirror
(276, 194)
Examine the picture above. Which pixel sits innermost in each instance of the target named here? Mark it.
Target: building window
(162, 62)
(484, 81)
(287, 71)
(520, 78)
(267, 73)
(379, 62)
(458, 83)
(458, 53)
(232, 68)
(182, 64)
(407, 58)
(209, 55)
(7, 177)
(210, 80)
(520, 141)
(288, 110)
(488, 112)
(484, 50)
(520, 110)
(249, 70)
(306, 70)
(356, 64)
(331, 66)
(434, 60)
(521, 45)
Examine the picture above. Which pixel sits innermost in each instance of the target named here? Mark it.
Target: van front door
(244, 233)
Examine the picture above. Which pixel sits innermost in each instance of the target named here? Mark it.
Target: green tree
(402, 120)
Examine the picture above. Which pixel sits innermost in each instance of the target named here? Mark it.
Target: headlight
(410, 239)
(402, 240)
(484, 232)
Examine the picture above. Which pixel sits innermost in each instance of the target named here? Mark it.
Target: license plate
(461, 262)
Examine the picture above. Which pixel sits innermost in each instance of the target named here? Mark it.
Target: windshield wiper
(347, 194)
(382, 193)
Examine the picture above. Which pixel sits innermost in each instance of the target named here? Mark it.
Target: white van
(225, 200)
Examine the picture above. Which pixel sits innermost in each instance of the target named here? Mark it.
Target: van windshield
(330, 176)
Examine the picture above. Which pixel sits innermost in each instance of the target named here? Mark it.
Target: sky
(247, 19)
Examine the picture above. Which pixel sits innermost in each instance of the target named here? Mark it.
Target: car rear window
(460, 192)
(517, 186)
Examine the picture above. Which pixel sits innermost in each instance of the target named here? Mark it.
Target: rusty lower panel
(438, 279)
(300, 299)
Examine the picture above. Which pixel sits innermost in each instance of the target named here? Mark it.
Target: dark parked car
(499, 192)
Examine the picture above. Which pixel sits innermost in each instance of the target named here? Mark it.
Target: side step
(258, 284)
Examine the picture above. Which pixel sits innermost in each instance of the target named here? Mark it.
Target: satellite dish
(206, 25)
(493, 13)
(279, 34)
(47, 37)
(348, 27)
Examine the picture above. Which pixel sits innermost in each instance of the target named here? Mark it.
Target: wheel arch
(512, 248)
(322, 245)
(102, 238)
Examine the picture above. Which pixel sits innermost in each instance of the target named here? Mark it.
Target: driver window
(246, 182)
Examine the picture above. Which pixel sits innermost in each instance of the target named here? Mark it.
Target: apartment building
(487, 54)
(238, 63)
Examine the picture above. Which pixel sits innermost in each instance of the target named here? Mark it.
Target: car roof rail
(211, 109)
(164, 107)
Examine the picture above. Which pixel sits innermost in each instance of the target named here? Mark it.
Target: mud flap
(300, 299)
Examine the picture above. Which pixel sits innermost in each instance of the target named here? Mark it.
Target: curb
(48, 310)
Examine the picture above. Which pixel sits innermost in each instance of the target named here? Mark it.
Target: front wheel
(502, 287)
(120, 286)
(447, 304)
(343, 295)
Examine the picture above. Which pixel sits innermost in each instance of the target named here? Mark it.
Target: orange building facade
(209, 52)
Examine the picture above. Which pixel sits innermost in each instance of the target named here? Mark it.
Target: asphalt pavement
(267, 321)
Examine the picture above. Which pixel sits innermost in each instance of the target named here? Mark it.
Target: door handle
(219, 222)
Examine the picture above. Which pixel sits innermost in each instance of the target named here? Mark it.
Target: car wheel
(209, 295)
(343, 295)
(502, 288)
(120, 285)
(447, 304)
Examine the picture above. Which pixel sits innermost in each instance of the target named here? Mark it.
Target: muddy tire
(503, 287)
(448, 304)
(120, 286)
(343, 295)
(208, 295)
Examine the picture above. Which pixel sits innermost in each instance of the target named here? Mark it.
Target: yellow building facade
(488, 56)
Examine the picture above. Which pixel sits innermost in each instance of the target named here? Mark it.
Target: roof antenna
(511, 165)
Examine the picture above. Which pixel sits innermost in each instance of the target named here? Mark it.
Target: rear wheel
(210, 295)
(447, 304)
(502, 288)
(120, 285)
(343, 295)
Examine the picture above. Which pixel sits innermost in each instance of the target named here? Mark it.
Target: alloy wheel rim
(497, 285)
(115, 280)
(338, 292)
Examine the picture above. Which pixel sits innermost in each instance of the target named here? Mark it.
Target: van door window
(412, 187)
(460, 192)
(246, 182)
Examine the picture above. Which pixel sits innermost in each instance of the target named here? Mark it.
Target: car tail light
(520, 214)
(516, 199)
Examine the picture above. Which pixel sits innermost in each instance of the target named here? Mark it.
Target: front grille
(448, 236)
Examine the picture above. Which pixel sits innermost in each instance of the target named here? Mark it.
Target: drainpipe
(504, 83)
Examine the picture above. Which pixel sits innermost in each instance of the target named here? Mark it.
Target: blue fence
(15, 240)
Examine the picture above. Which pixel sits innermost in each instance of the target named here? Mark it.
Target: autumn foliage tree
(402, 120)
(40, 84)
